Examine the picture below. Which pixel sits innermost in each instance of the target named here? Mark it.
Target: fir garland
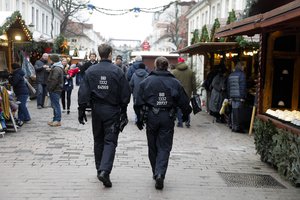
(195, 38)
(204, 35)
(11, 20)
(216, 25)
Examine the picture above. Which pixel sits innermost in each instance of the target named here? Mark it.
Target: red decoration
(146, 46)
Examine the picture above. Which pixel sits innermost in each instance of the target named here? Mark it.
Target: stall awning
(13, 20)
(206, 47)
(287, 15)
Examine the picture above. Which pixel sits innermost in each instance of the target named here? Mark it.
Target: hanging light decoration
(136, 11)
(90, 8)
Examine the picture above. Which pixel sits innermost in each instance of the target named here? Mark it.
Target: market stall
(277, 124)
(12, 31)
(279, 84)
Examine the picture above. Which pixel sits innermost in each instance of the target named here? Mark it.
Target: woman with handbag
(67, 88)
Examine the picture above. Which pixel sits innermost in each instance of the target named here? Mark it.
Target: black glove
(185, 118)
(81, 115)
(123, 121)
(140, 125)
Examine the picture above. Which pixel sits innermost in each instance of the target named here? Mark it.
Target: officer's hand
(81, 115)
(140, 125)
(123, 121)
(185, 118)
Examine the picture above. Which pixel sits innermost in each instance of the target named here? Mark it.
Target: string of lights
(91, 8)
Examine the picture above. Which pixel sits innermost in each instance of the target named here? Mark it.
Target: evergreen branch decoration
(13, 19)
(216, 25)
(195, 38)
(279, 148)
(231, 17)
(204, 34)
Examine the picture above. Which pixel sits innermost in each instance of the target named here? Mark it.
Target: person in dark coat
(67, 88)
(17, 80)
(237, 93)
(106, 87)
(42, 71)
(54, 86)
(158, 98)
(187, 78)
(218, 93)
(87, 64)
(139, 75)
(135, 65)
(118, 62)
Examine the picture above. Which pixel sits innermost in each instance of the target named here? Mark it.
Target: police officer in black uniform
(106, 88)
(158, 97)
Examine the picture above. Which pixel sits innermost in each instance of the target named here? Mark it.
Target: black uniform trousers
(105, 123)
(160, 131)
(237, 116)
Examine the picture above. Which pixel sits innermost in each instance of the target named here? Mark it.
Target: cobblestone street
(41, 162)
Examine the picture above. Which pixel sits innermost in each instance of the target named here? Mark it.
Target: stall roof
(287, 15)
(205, 47)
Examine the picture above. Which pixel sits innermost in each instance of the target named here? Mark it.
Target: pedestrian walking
(135, 65)
(188, 80)
(237, 93)
(119, 63)
(42, 69)
(68, 86)
(106, 87)
(21, 91)
(158, 98)
(54, 86)
(139, 75)
(218, 93)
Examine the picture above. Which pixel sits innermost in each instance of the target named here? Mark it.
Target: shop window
(282, 83)
(285, 43)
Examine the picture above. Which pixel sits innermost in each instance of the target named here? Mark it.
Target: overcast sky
(124, 26)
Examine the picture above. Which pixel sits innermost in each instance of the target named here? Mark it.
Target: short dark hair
(93, 53)
(104, 50)
(142, 66)
(15, 66)
(161, 63)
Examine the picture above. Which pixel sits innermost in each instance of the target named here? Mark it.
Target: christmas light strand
(90, 7)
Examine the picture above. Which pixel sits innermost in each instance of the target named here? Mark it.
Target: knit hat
(138, 58)
(181, 60)
(54, 58)
(119, 58)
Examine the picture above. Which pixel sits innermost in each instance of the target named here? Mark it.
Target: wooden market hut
(12, 30)
(279, 64)
(277, 127)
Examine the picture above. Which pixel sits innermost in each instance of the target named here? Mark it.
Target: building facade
(170, 28)
(204, 13)
(43, 20)
(81, 36)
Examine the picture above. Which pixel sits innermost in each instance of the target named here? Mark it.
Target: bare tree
(70, 9)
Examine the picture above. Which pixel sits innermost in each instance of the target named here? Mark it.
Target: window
(213, 14)
(32, 15)
(206, 15)
(43, 23)
(37, 20)
(74, 40)
(18, 5)
(218, 10)
(46, 24)
(24, 9)
(7, 5)
(226, 7)
(197, 22)
(203, 18)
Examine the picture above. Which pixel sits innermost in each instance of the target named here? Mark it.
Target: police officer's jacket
(162, 90)
(104, 83)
